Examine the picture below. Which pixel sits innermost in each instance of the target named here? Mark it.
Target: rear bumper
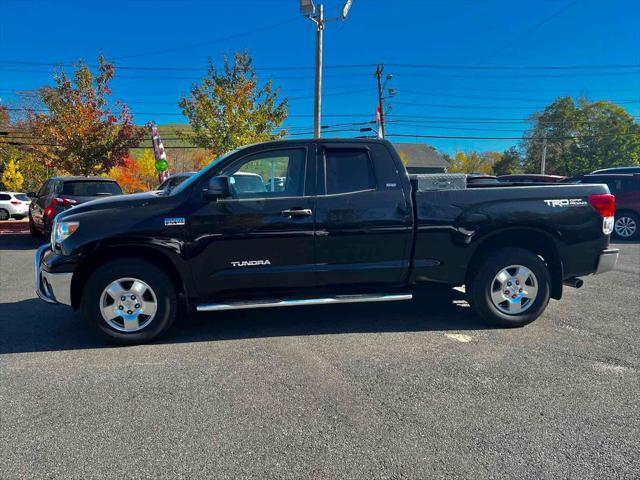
(607, 260)
(51, 287)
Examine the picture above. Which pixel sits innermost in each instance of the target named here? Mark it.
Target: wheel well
(106, 255)
(627, 211)
(535, 241)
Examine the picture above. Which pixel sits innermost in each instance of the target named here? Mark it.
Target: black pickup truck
(291, 223)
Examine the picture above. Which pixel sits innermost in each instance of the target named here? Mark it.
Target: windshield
(191, 180)
(84, 188)
(22, 197)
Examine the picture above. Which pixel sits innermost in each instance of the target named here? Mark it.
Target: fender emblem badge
(173, 221)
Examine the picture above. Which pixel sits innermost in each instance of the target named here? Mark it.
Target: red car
(626, 188)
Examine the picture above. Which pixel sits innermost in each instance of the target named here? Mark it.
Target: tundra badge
(250, 263)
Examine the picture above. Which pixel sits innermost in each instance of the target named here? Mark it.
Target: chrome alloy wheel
(128, 305)
(625, 227)
(514, 289)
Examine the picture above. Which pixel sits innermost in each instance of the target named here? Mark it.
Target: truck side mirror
(219, 187)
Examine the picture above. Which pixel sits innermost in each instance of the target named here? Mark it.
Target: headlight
(63, 230)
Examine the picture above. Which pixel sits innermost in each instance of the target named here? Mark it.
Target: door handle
(297, 212)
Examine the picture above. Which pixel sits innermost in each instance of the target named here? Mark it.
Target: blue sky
(445, 34)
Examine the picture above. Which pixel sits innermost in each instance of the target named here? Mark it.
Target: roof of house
(420, 155)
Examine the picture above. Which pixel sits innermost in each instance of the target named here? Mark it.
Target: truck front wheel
(510, 288)
(129, 301)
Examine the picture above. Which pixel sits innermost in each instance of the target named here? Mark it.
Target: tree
(12, 179)
(128, 176)
(582, 137)
(228, 109)
(508, 163)
(82, 133)
(147, 169)
(471, 162)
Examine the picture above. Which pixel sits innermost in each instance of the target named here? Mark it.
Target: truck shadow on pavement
(9, 241)
(32, 326)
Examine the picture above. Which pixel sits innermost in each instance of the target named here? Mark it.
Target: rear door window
(90, 188)
(348, 170)
(4, 197)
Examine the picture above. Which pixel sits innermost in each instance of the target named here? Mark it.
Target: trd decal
(566, 202)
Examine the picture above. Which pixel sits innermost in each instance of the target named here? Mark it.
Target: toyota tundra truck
(344, 223)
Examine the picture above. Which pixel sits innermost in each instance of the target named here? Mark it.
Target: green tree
(83, 133)
(582, 137)
(229, 109)
(508, 162)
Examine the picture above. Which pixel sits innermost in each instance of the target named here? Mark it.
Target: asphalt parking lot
(418, 389)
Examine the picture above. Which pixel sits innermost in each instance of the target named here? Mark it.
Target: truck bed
(451, 223)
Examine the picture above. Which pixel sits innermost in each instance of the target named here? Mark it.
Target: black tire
(4, 215)
(18, 217)
(632, 224)
(33, 230)
(481, 284)
(153, 276)
(46, 229)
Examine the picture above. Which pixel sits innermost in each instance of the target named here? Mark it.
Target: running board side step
(216, 307)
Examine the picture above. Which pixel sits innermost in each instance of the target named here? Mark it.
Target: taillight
(50, 211)
(15, 202)
(66, 202)
(605, 205)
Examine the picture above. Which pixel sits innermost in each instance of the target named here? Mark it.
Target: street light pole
(317, 107)
(308, 9)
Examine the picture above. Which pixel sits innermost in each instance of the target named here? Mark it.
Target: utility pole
(378, 75)
(317, 106)
(544, 153)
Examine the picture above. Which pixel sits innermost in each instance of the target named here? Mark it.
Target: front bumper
(607, 260)
(51, 287)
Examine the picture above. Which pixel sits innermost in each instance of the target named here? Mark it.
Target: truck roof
(320, 140)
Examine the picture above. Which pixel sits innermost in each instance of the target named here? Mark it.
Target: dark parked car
(617, 170)
(349, 226)
(174, 180)
(626, 188)
(61, 193)
(531, 178)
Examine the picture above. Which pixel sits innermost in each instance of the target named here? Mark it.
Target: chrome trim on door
(215, 307)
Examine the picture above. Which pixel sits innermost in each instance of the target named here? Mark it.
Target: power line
(363, 75)
(454, 137)
(209, 42)
(343, 66)
(403, 135)
(478, 107)
(496, 99)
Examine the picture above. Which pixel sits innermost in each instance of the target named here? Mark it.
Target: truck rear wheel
(510, 288)
(130, 301)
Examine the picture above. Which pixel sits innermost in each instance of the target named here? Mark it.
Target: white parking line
(460, 337)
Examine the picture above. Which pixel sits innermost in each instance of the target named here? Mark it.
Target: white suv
(13, 204)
